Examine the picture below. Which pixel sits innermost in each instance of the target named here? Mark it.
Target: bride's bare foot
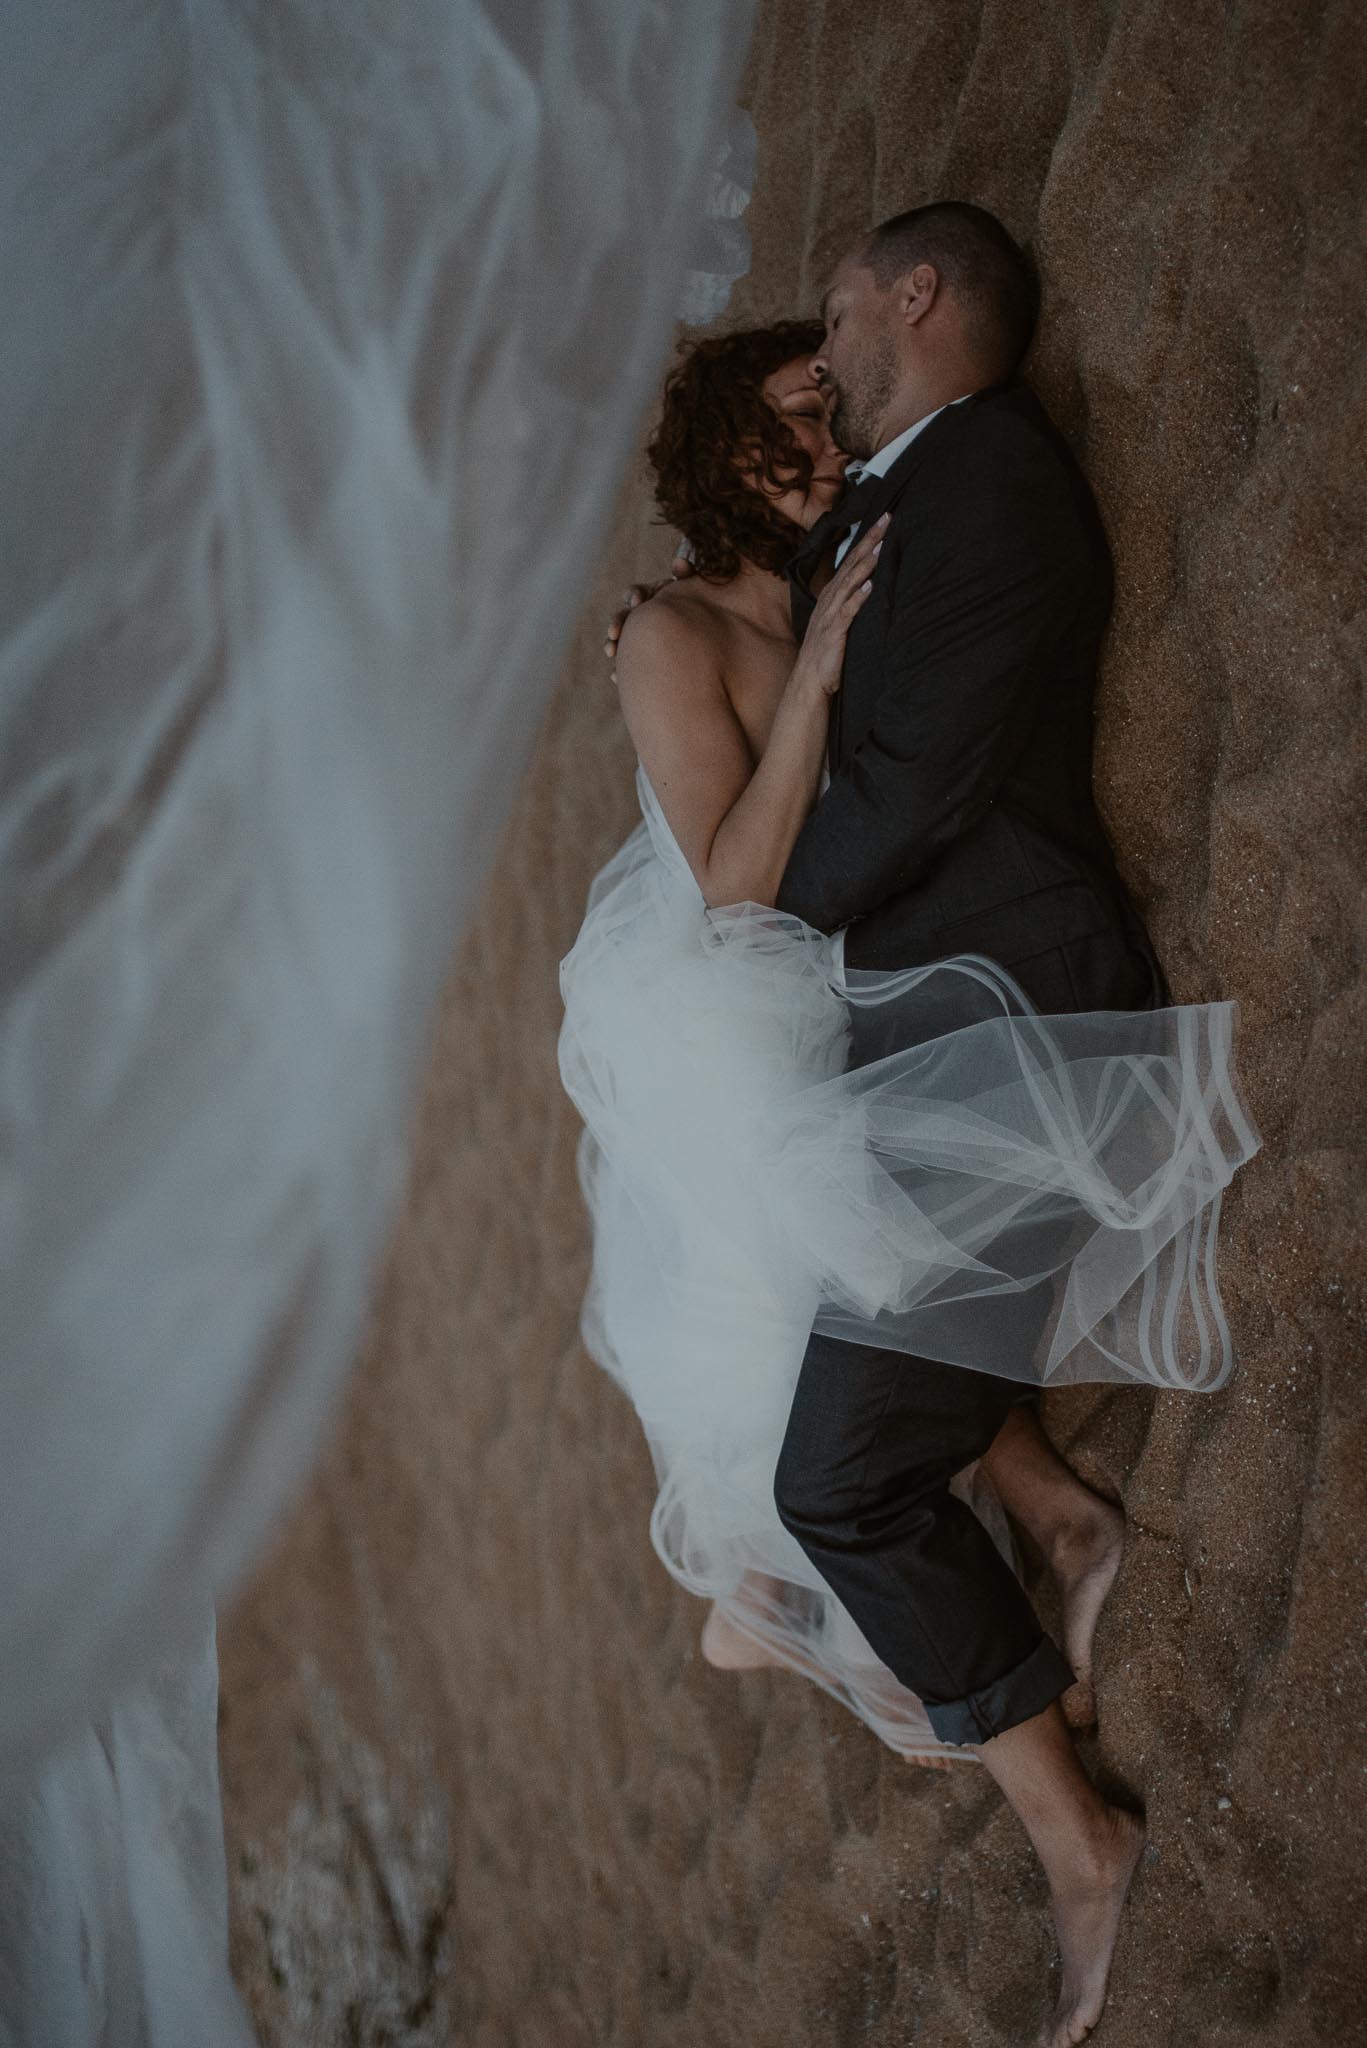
(1087, 1909)
(729, 1647)
(1085, 1556)
(880, 1695)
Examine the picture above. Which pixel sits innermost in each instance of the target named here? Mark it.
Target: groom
(959, 818)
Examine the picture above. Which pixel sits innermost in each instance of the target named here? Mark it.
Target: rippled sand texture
(481, 1787)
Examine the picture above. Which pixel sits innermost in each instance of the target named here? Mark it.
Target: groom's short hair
(987, 271)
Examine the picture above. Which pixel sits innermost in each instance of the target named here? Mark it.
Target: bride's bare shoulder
(677, 635)
(672, 686)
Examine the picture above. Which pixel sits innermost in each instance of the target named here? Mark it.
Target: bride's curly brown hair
(715, 423)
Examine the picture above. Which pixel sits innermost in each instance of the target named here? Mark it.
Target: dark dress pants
(875, 1437)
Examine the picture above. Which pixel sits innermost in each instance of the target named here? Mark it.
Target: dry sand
(481, 1787)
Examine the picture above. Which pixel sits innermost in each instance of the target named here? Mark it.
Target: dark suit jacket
(960, 815)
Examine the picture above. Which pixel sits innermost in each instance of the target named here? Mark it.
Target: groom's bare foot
(1085, 1557)
(1087, 1911)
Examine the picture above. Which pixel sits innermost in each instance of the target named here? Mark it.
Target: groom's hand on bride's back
(639, 593)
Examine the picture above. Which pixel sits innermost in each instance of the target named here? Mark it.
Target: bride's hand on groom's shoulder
(821, 657)
(680, 567)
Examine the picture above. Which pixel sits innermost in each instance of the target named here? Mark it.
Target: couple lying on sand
(890, 1120)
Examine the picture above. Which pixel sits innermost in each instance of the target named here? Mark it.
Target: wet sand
(480, 1785)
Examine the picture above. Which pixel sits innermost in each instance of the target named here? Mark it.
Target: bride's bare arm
(736, 821)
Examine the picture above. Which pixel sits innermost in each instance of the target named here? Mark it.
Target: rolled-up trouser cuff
(1018, 1695)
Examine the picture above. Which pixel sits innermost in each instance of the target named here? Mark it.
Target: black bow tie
(850, 510)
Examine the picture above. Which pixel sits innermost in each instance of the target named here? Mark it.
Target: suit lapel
(888, 490)
(891, 488)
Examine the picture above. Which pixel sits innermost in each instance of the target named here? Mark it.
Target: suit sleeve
(987, 586)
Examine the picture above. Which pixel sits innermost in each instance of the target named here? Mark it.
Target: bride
(742, 1186)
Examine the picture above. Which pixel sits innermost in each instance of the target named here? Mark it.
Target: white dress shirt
(881, 463)
(877, 465)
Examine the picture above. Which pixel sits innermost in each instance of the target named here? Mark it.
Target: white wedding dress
(744, 1187)
(308, 441)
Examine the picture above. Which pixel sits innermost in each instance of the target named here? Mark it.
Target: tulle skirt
(1036, 1197)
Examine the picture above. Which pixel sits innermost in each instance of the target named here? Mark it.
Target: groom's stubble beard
(862, 397)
